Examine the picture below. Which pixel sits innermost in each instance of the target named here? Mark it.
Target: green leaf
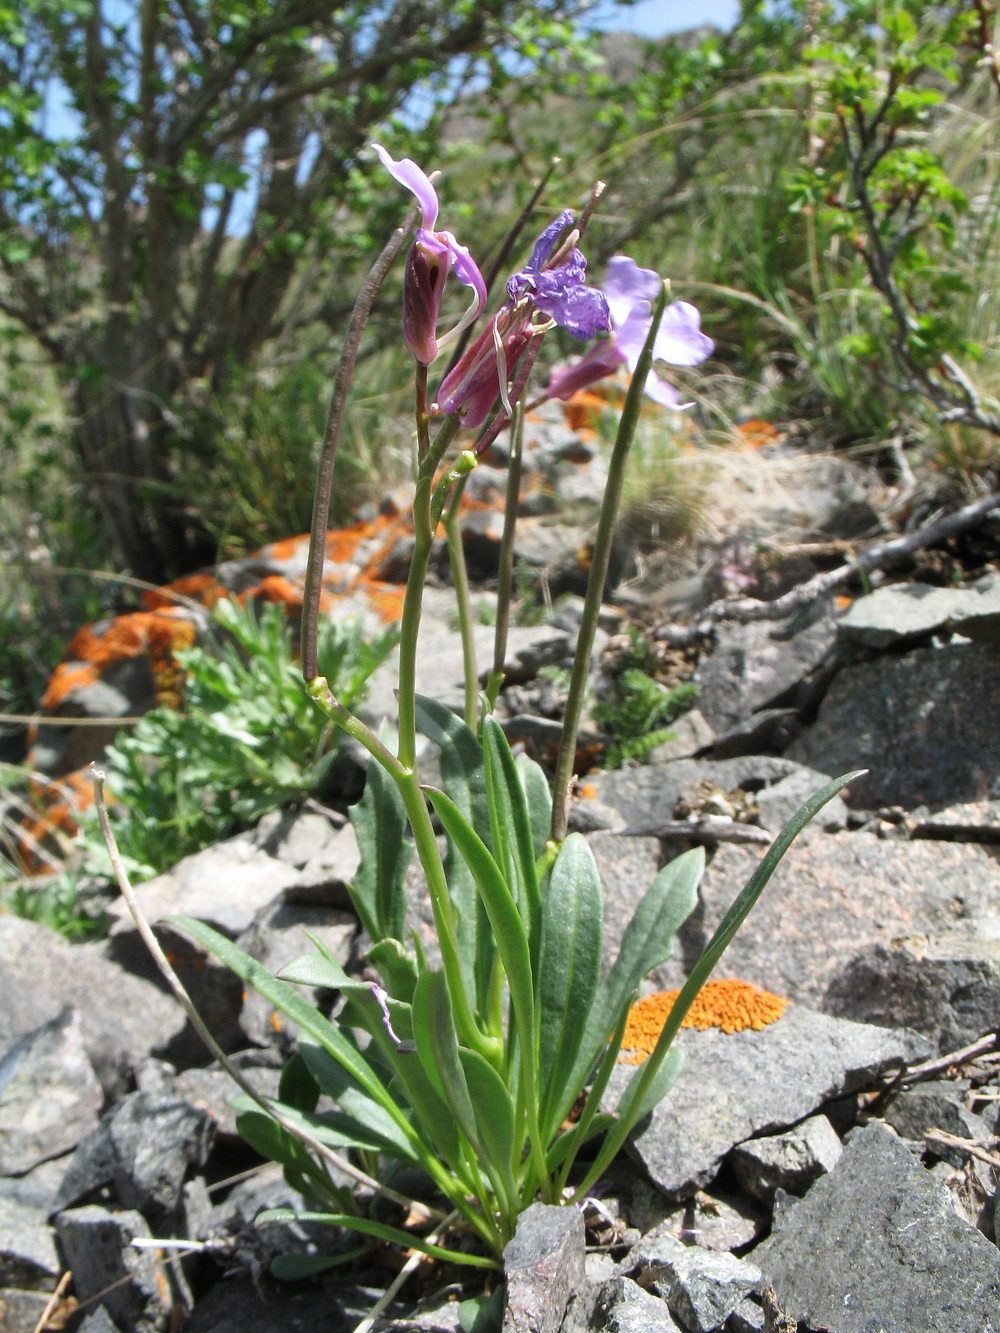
(437, 1047)
(648, 941)
(396, 968)
(512, 832)
(295, 1267)
(269, 1139)
(658, 1087)
(379, 821)
(495, 1119)
(379, 1229)
(572, 932)
(538, 799)
(297, 1087)
(464, 778)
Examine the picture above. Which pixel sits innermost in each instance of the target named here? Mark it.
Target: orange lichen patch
(583, 410)
(59, 805)
(67, 677)
(756, 433)
(275, 588)
(201, 588)
(587, 791)
(157, 632)
(843, 602)
(732, 1006)
(288, 548)
(342, 544)
(387, 601)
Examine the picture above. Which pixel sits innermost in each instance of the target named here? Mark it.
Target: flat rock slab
(755, 665)
(832, 896)
(124, 1018)
(907, 611)
(876, 1244)
(970, 821)
(917, 723)
(736, 1086)
(49, 1094)
(28, 1258)
(237, 1306)
(544, 1267)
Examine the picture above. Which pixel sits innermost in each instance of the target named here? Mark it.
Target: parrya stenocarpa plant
(469, 1068)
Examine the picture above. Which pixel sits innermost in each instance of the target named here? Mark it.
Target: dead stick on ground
(54, 1300)
(744, 609)
(966, 1145)
(982, 1046)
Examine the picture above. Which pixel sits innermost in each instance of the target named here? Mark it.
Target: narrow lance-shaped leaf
(511, 819)
(379, 821)
(572, 930)
(648, 941)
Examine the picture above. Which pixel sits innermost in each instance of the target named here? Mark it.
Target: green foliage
(637, 714)
(247, 739)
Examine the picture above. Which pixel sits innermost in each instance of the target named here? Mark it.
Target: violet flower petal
(626, 284)
(601, 360)
(416, 180)
(382, 997)
(679, 340)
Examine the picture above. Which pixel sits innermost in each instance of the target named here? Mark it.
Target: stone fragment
(142, 1150)
(876, 1244)
(98, 1322)
(325, 856)
(829, 900)
(648, 793)
(778, 803)
(212, 1091)
(124, 1019)
(622, 1306)
(946, 986)
(747, 1317)
(49, 1094)
(916, 722)
(971, 821)
(790, 1161)
(276, 936)
(126, 688)
(21, 1311)
(98, 1248)
(544, 1266)
(701, 1287)
(28, 1256)
(691, 734)
(224, 885)
(753, 1083)
(38, 1187)
(904, 612)
(627, 867)
(766, 730)
(934, 1105)
(756, 665)
(238, 1306)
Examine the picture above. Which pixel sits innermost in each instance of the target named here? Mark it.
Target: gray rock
(326, 856)
(587, 815)
(754, 666)
(38, 1187)
(790, 1161)
(98, 1322)
(225, 885)
(715, 1220)
(277, 935)
(776, 804)
(876, 1244)
(627, 867)
(49, 1094)
(934, 1105)
(747, 1317)
(126, 688)
(648, 793)
(28, 1256)
(212, 1091)
(702, 1287)
(973, 821)
(769, 729)
(623, 1307)
(755, 1083)
(135, 1286)
(946, 986)
(124, 1019)
(691, 733)
(544, 1266)
(21, 1311)
(830, 899)
(903, 612)
(235, 1216)
(237, 1306)
(142, 1149)
(916, 721)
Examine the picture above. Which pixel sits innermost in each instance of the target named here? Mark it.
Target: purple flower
(432, 256)
(631, 291)
(550, 285)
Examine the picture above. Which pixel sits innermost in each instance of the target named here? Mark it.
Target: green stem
(463, 604)
(598, 575)
(319, 691)
(505, 580)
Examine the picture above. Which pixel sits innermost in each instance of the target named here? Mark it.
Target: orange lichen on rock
(583, 409)
(730, 1005)
(201, 588)
(67, 677)
(387, 602)
(756, 433)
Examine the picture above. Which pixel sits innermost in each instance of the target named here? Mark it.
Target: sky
(653, 18)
